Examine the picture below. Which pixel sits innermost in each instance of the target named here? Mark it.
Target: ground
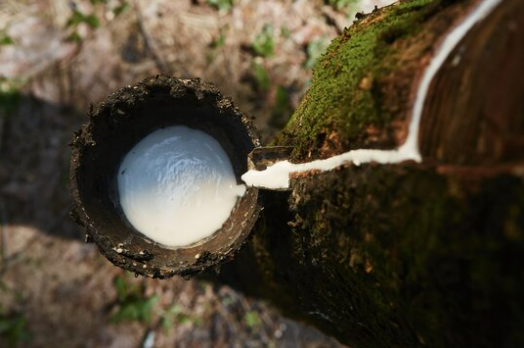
(57, 57)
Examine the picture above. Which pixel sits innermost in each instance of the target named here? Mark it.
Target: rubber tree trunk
(409, 254)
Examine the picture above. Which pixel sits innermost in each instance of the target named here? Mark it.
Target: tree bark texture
(410, 254)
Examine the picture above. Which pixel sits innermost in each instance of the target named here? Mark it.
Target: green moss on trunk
(362, 86)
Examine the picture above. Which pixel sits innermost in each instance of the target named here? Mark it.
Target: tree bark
(409, 254)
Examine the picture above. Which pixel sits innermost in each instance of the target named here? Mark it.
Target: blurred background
(56, 58)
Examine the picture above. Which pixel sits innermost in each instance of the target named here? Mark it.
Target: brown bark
(474, 112)
(409, 255)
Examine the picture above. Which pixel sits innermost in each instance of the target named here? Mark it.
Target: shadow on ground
(34, 165)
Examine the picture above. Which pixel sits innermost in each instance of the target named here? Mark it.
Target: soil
(56, 58)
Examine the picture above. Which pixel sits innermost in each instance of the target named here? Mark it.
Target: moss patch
(351, 93)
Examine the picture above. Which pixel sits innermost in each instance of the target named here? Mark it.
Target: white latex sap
(277, 175)
(177, 186)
